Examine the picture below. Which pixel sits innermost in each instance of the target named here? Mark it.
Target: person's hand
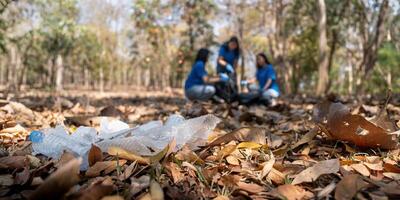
(244, 82)
(223, 77)
(229, 68)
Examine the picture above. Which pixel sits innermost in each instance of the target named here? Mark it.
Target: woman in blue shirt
(198, 85)
(266, 78)
(228, 56)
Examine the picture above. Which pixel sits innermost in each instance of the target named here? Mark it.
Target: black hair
(202, 55)
(235, 40)
(262, 55)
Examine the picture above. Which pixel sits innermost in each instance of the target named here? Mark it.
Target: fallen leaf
(175, 171)
(292, 192)
(312, 173)
(306, 138)
(249, 145)
(327, 190)
(267, 167)
(58, 183)
(391, 168)
(185, 154)
(391, 175)
(220, 197)
(128, 171)
(349, 186)
(246, 134)
(23, 177)
(276, 176)
(14, 162)
(121, 153)
(227, 150)
(64, 159)
(360, 168)
(250, 187)
(232, 160)
(156, 191)
(374, 166)
(338, 123)
(95, 155)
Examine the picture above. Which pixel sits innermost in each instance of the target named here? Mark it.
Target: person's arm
(267, 84)
(211, 79)
(221, 61)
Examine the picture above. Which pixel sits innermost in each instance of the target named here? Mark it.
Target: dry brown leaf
(175, 171)
(312, 173)
(246, 134)
(95, 155)
(327, 190)
(267, 167)
(391, 175)
(249, 145)
(156, 191)
(374, 166)
(14, 162)
(348, 187)
(64, 159)
(250, 187)
(220, 197)
(306, 138)
(227, 150)
(292, 192)
(276, 176)
(58, 183)
(185, 154)
(128, 172)
(360, 168)
(122, 153)
(391, 168)
(23, 177)
(232, 160)
(338, 123)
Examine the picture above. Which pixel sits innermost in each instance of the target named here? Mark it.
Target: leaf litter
(255, 152)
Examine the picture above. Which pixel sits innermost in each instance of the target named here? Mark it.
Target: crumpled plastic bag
(147, 139)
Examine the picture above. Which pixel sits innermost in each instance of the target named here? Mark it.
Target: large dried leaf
(360, 168)
(246, 134)
(23, 177)
(250, 187)
(14, 162)
(348, 187)
(312, 173)
(95, 155)
(128, 171)
(292, 192)
(267, 167)
(188, 155)
(175, 171)
(58, 183)
(122, 153)
(226, 151)
(338, 123)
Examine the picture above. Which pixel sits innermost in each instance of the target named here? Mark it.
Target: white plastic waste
(147, 139)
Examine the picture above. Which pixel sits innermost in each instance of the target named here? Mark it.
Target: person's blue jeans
(266, 94)
(200, 92)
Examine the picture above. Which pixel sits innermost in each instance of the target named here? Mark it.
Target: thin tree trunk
(323, 74)
(59, 73)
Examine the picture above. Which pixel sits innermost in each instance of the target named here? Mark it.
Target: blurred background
(347, 47)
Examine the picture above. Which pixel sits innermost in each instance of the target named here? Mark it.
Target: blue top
(265, 73)
(229, 57)
(196, 75)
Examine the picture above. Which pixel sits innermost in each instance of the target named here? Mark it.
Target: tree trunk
(371, 50)
(101, 84)
(59, 73)
(323, 75)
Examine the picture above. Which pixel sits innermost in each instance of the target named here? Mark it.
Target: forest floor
(303, 148)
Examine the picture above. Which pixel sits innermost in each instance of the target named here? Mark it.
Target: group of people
(200, 86)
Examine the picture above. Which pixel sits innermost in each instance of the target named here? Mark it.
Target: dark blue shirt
(229, 57)
(265, 73)
(196, 75)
